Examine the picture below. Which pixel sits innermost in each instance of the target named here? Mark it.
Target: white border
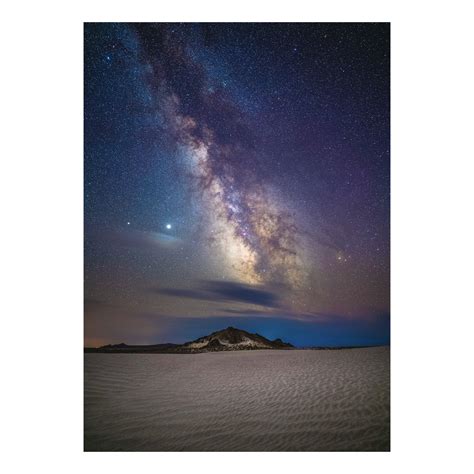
(41, 194)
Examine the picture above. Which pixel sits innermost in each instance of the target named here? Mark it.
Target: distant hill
(122, 347)
(229, 339)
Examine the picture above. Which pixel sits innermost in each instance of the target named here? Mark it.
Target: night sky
(237, 174)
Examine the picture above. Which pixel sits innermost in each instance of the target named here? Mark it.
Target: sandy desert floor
(301, 400)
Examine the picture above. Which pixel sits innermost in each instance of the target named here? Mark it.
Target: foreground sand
(300, 400)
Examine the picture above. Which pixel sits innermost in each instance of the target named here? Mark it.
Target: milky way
(253, 233)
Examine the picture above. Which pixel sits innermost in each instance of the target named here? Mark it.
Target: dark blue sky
(237, 174)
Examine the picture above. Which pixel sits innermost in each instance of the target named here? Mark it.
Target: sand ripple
(239, 401)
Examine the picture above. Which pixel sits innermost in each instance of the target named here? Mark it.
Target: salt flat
(269, 400)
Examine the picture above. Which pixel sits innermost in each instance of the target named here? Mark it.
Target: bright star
(168, 226)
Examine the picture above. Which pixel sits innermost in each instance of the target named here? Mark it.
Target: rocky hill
(229, 339)
(232, 339)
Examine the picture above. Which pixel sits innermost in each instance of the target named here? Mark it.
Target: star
(168, 226)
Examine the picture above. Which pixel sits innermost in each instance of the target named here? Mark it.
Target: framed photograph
(237, 236)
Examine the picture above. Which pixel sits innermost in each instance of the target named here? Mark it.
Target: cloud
(246, 312)
(182, 293)
(136, 239)
(93, 304)
(213, 290)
